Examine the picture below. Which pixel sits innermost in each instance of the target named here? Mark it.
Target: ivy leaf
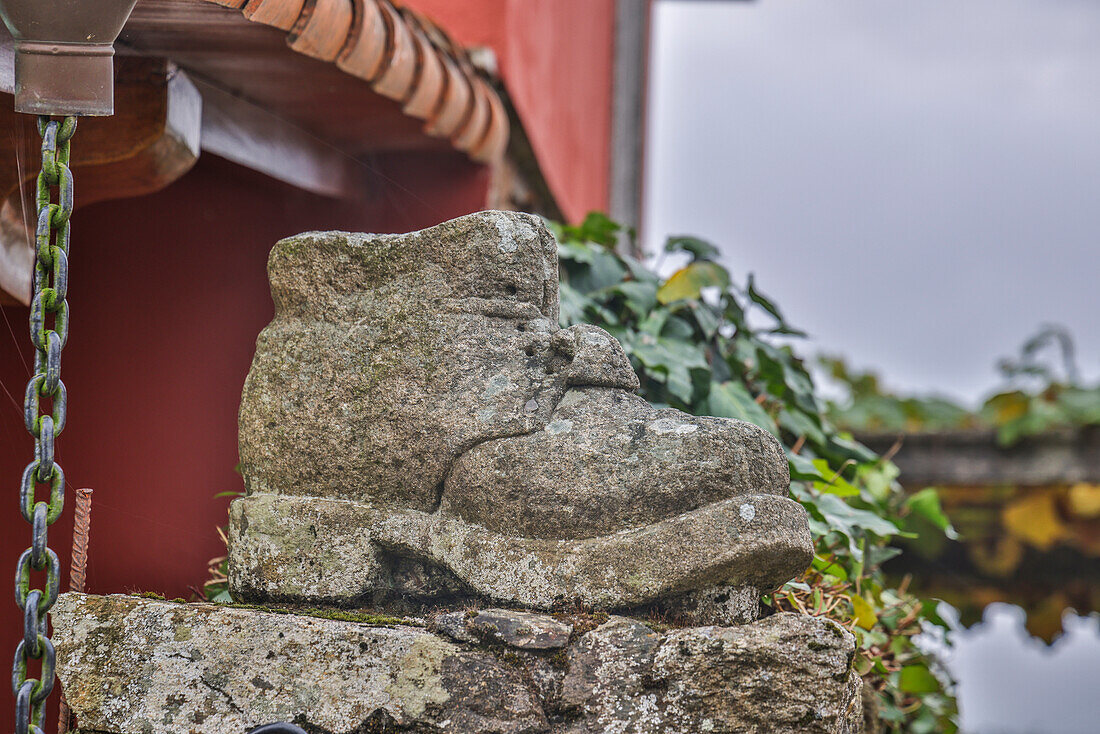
(598, 227)
(572, 305)
(850, 449)
(835, 484)
(639, 272)
(917, 679)
(803, 469)
(925, 504)
(603, 268)
(801, 424)
(671, 361)
(863, 612)
(641, 298)
(700, 249)
(654, 323)
(706, 319)
(732, 400)
(689, 281)
(829, 567)
(765, 303)
(849, 521)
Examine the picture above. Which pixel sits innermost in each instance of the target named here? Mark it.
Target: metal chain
(51, 284)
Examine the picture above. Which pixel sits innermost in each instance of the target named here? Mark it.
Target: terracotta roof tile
(403, 56)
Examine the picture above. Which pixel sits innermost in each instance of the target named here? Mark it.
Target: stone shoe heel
(416, 425)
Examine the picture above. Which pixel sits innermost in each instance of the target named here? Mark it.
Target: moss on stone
(339, 615)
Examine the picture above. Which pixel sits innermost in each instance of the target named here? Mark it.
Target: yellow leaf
(1084, 500)
(1009, 406)
(864, 612)
(1034, 519)
(999, 558)
(689, 281)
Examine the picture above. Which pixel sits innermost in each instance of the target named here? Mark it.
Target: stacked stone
(138, 666)
(418, 435)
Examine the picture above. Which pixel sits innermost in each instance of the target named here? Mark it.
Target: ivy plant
(706, 344)
(1041, 391)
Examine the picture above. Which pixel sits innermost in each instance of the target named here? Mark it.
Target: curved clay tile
(279, 13)
(322, 29)
(428, 87)
(403, 56)
(399, 68)
(454, 106)
(474, 130)
(366, 44)
(491, 147)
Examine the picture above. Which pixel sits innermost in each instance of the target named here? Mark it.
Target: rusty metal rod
(78, 569)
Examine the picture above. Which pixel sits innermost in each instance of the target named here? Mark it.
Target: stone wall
(131, 665)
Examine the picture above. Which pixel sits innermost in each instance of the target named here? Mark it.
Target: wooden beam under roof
(152, 140)
(360, 75)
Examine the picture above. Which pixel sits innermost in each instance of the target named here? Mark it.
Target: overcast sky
(916, 183)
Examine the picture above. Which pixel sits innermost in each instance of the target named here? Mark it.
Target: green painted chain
(51, 283)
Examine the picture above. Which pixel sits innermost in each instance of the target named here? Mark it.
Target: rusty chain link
(49, 303)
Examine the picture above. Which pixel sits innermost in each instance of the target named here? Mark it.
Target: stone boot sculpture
(415, 423)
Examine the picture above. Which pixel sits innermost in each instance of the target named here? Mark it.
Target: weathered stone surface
(608, 461)
(285, 548)
(522, 630)
(138, 666)
(390, 355)
(447, 437)
(785, 673)
(717, 605)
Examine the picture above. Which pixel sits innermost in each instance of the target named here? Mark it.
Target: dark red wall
(167, 295)
(557, 60)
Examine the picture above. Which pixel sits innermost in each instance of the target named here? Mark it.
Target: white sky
(918, 186)
(916, 183)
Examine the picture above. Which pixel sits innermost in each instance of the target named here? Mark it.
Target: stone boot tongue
(608, 461)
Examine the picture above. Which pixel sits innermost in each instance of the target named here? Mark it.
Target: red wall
(168, 293)
(556, 58)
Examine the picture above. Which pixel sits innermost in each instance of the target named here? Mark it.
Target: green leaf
(592, 269)
(801, 424)
(598, 227)
(849, 521)
(572, 305)
(641, 298)
(732, 400)
(707, 320)
(669, 361)
(829, 567)
(689, 281)
(917, 679)
(803, 469)
(834, 483)
(654, 323)
(765, 303)
(926, 505)
(700, 249)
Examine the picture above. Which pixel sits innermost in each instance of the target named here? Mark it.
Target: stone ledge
(138, 666)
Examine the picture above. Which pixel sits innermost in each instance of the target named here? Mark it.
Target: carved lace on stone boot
(415, 422)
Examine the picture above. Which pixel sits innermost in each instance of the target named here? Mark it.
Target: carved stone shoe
(415, 424)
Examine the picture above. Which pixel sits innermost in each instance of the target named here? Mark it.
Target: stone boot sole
(338, 551)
